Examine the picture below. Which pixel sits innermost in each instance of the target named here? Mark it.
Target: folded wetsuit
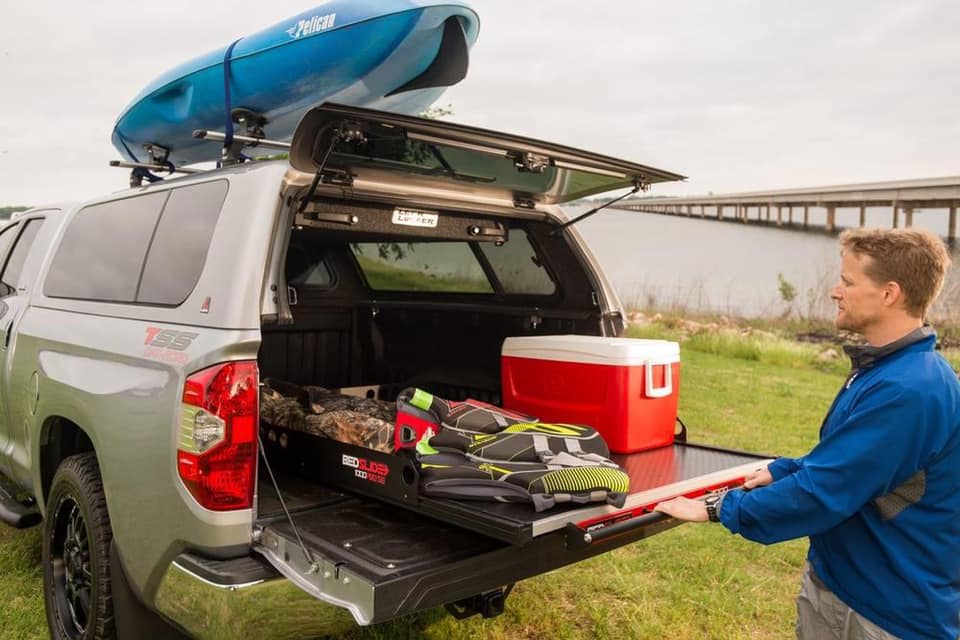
(481, 452)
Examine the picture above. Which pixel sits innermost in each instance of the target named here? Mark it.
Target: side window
(7, 235)
(103, 250)
(179, 248)
(10, 277)
(518, 267)
(306, 265)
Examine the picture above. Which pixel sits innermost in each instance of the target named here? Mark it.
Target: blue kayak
(391, 55)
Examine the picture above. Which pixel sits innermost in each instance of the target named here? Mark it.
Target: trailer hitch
(489, 604)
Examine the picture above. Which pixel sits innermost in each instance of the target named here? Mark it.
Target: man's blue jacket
(879, 496)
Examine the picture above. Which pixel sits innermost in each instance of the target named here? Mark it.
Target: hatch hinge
(337, 177)
(532, 162)
(524, 202)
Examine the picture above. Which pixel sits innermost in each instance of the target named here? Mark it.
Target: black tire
(76, 553)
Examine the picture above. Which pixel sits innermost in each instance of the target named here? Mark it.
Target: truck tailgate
(381, 561)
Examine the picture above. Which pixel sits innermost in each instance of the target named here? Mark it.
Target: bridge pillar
(790, 215)
(779, 215)
(806, 216)
(952, 226)
(908, 217)
(863, 216)
(831, 218)
(703, 209)
(719, 212)
(896, 215)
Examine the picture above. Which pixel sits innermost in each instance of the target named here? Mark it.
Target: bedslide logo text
(375, 472)
(312, 25)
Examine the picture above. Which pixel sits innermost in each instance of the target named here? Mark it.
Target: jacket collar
(864, 355)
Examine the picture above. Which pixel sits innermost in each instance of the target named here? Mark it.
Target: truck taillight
(217, 444)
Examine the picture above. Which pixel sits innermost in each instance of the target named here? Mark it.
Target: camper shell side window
(148, 249)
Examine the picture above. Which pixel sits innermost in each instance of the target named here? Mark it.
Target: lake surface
(660, 261)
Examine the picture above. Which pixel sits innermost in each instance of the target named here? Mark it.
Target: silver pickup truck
(384, 252)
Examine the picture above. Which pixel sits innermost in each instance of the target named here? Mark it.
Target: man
(879, 496)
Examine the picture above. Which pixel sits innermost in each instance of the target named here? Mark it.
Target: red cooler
(627, 389)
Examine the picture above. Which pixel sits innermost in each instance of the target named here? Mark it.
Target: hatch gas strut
(638, 185)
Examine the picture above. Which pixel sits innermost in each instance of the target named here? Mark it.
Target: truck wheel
(76, 553)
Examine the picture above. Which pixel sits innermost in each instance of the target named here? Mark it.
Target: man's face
(860, 300)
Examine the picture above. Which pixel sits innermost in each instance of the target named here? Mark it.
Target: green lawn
(693, 582)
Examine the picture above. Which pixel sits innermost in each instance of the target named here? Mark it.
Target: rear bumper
(243, 598)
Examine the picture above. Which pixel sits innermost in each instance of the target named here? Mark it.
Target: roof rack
(159, 162)
(250, 133)
(240, 143)
(250, 123)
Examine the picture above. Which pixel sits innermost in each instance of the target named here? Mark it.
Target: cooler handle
(661, 392)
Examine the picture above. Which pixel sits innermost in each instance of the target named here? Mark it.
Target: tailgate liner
(381, 562)
(380, 542)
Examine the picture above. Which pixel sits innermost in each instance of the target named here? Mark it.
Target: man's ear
(892, 294)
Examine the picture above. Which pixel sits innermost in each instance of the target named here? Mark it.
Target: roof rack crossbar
(249, 141)
(141, 171)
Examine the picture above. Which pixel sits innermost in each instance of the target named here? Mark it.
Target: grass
(768, 340)
(693, 582)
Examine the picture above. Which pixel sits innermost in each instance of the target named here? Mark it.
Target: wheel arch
(60, 438)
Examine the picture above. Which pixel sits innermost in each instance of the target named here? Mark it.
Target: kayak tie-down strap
(227, 108)
(474, 450)
(142, 173)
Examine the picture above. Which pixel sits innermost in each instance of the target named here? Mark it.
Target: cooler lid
(592, 349)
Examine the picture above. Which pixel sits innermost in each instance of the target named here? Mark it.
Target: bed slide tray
(655, 475)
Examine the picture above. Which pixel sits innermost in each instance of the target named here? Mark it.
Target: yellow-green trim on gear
(549, 428)
(422, 400)
(584, 479)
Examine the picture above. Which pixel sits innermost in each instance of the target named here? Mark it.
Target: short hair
(916, 260)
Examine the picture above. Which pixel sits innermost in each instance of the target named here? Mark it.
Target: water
(661, 261)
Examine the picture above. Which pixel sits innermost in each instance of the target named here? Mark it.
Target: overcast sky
(737, 95)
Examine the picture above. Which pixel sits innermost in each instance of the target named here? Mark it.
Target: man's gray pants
(823, 616)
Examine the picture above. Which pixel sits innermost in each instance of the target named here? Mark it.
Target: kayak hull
(393, 55)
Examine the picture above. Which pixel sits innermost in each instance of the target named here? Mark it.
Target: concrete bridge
(903, 197)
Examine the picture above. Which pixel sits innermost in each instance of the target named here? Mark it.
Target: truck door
(15, 244)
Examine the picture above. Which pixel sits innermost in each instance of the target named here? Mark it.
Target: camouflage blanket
(364, 422)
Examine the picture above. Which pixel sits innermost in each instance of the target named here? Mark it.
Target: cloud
(738, 95)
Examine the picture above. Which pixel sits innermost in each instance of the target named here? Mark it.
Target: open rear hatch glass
(339, 142)
(395, 552)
